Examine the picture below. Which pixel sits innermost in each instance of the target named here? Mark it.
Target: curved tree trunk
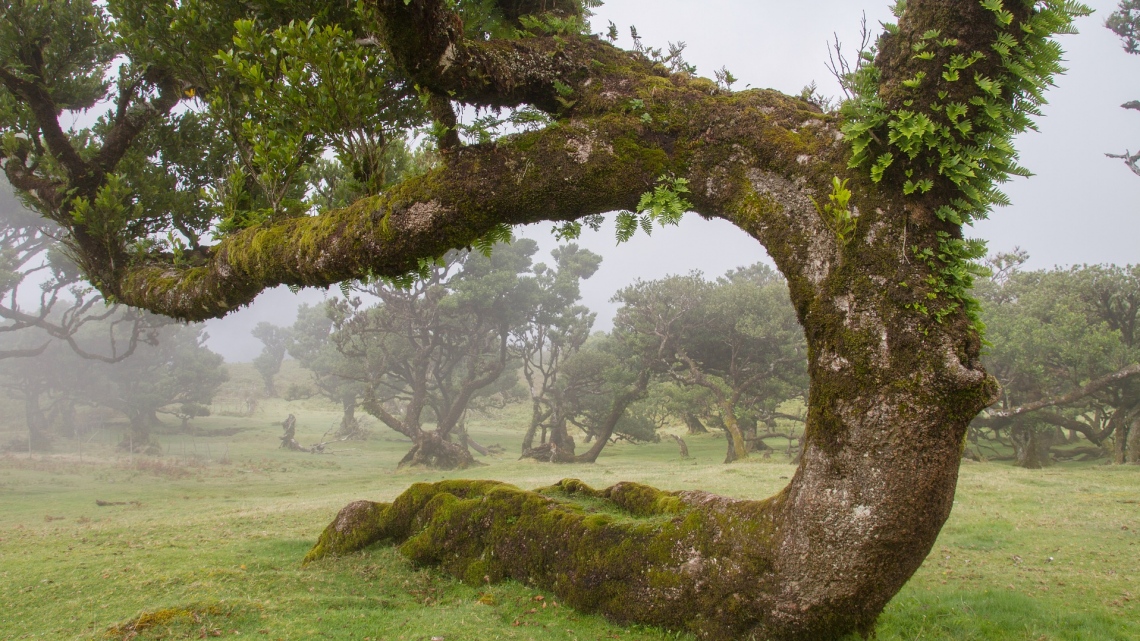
(735, 435)
(536, 418)
(730, 456)
(891, 396)
(892, 353)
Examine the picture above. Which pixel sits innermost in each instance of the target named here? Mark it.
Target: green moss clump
(356, 526)
(686, 561)
(166, 616)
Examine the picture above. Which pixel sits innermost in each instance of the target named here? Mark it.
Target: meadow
(206, 540)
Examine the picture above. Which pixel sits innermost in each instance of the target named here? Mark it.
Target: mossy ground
(1027, 555)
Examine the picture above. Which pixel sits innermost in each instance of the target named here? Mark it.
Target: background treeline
(479, 331)
(484, 331)
(1063, 344)
(67, 356)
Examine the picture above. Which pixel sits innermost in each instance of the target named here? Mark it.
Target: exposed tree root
(550, 452)
(682, 560)
(433, 451)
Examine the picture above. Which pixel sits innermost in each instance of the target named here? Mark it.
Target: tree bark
(731, 455)
(1120, 442)
(1133, 454)
(732, 428)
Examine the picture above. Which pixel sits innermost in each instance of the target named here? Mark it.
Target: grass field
(207, 540)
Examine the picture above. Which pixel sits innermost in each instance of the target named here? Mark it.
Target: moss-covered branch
(748, 173)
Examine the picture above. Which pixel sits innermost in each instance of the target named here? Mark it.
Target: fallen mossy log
(681, 560)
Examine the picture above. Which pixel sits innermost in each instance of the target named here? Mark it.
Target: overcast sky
(1080, 207)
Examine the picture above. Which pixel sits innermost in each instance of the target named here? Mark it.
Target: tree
(268, 362)
(425, 351)
(598, 385)
(174, 373)
(737, 338)
(1112, 296)
(62, 314)
(557, 327)
(309, 341)
(30, 257)
(862, 211)
(746, 349)
(1125, 22)
(1063, 349)
(178, 370)
(34, 386)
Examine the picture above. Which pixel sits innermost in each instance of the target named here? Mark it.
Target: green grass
(210, 538)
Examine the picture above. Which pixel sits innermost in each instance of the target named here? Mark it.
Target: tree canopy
(1064, 348)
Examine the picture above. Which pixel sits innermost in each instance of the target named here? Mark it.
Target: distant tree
(747, 350)
(187, 412)
(427, 349)
(309, 341)
(268, 362)
(1125, 22)
(556, 328)
(1111, 294)
(1062, 346)
(737, 338)
(177, 371)
(34, 386)
(174, 373)
(48, 313)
